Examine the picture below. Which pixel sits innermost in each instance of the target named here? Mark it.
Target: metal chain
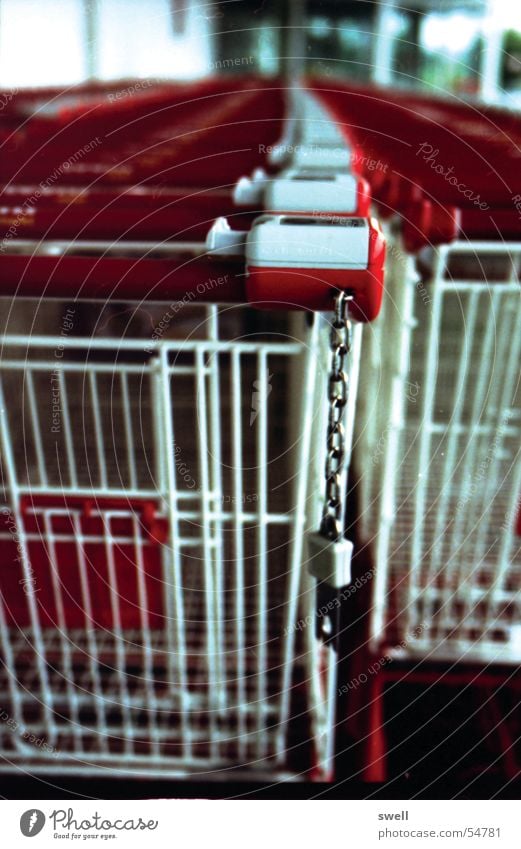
(338, 391)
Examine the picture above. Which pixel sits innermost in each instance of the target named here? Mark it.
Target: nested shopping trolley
(438, 424)
(160, 481)
(157, 493)
(439, 415)
(153, 541)
(442, 506)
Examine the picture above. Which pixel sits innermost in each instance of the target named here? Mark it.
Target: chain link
(338, 392)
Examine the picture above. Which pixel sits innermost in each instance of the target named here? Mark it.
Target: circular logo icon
(32, 822)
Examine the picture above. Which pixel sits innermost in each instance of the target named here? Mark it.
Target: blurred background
(470, 47)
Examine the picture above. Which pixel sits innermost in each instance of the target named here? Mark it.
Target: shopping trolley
(194, 134)
(449, 566)
(149, 576)
(442, 397)
(438, 420)
(155, 613)
(441, 506)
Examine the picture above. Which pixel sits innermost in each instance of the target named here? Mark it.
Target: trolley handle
(282, 262)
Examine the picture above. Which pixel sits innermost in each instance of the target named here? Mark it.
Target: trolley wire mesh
(156, 501)
(447, 534)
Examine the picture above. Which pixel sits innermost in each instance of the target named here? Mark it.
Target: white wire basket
(441, 504)
(157, 494)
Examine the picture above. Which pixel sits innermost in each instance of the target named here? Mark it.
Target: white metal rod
(442, 501)
(148, 663)
(129, 435)
(88, 368)
(350, 414)
(477, 286)
(143, 494)
(29, 585)
(299, 504)
(494, 484)
(147, 766)
(261, 577)
(485, 246)
(35, 421)
(64, 247)
(238, 531)
(98, 431)
(513, 508)
(491, 60)
(217, 497)
(424, 456)
(69, 444)
(476, 429)
(175, 573)
(481, 388)
(65, 646)
(383, 43)
(13, 684)
(158, 409)
(387, 497)
(91, 634)
(328, 762)
(117, 632)
(213, 683)
(101, 343)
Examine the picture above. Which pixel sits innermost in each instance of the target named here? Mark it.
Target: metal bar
(217, 497)
(175, 571)
(387, 497)
(477, 286)
(30, 590)
(509, 366)
(79, 368)
(91, 18)
(238, 531)
(224, 515)
(474, 428)
(121, 247)
(148, 662)
(298, 513)
(383, 43)
(146, 767)
(66, 654)
(69, 445)
(129, 435)
(313, 651)
(120, 660)
(457, 406)
(261, 577)
(350, 414)
(35, 421)
(13, 685)
(98, 431)
(484, 247)
(493, 595)
(481, 388)
(491, 60)
(209, 578)
(225, 345)
(431, 368)
(90, 631)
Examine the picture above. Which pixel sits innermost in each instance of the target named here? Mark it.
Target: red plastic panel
(94, 522)
(125, 279)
